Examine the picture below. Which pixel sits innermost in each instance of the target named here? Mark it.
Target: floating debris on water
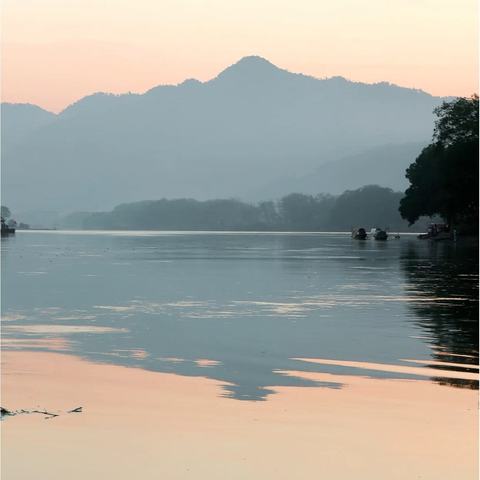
(48, 415)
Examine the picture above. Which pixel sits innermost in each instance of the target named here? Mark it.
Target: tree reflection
(442, 278)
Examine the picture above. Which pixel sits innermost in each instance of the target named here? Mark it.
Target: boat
(379, 234)
(359, 233)
(6, 230)
(436, 232)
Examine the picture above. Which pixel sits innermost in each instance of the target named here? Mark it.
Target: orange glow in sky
(57, 51)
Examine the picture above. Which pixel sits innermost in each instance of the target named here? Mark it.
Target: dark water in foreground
(244, 308)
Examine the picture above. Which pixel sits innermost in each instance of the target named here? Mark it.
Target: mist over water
(244, 308)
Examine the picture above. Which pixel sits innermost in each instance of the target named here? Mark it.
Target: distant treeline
(369, 206)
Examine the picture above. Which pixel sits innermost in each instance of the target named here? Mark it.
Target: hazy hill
(20, 119)
(367, 206)
(250, 127)
(383, 165)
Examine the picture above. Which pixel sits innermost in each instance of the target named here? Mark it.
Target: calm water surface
(244, 308)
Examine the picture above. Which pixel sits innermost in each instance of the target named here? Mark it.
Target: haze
(254, 132)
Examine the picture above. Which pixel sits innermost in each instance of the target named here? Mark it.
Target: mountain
(251, 126)
(20, 119)
(384, 165)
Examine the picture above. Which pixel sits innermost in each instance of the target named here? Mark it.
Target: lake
(310, 334)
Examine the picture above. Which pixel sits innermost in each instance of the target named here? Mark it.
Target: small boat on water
(6, 230)
(359, 233)
(436, 232)
(379, 234)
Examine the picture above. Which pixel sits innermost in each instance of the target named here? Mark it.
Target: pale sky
(57, 51)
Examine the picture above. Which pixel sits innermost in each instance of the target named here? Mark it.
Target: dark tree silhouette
(369, 206)
(457, 121)
(5, 212)
(305, 212)
(444, 177)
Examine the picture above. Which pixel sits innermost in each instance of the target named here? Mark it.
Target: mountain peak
(190, 82)
(250, 67)
(254, 60)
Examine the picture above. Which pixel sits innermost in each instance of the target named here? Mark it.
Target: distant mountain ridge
(20, 119)
(383, 165)
(249, 127)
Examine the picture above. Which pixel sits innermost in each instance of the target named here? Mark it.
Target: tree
(296, 210)
(457, 121)
(268, 214)
(302, 212)
(368, 206)
(5, 212)
(444, 177)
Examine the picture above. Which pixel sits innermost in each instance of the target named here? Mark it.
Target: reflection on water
(448, 271)
(244, 309)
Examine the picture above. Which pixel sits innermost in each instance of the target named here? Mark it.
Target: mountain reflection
(243, 309)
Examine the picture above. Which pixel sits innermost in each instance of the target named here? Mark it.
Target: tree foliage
(5, 212)
(444, 177)
(305, 212)
(368, 206)
(457, 121)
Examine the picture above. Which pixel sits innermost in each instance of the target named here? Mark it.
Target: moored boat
(379, 234)
(437, 232)
(359, 233)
